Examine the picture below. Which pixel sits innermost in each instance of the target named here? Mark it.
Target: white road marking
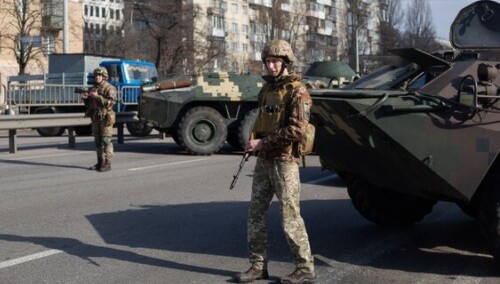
(27, 258)
(167, 164)
(42, 156)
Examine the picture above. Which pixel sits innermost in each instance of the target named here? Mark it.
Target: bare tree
(22, 25)
(284, 20)
(420, 32)
(356, 18)
(391, 18)
(163, 32)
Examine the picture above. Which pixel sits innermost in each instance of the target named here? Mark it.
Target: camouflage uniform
(280, 125)
(100, 111)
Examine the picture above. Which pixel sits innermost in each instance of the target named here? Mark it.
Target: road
(162, 216)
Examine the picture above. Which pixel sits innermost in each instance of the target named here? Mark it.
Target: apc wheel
(386, 207)
(489, 218)
(202, 131)
(246, 126)
(138, 128)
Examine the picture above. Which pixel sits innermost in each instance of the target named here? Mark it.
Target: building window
(234, 8)
(234, 46)
(103, 10)
(235, 28)
(117, 14)
(245, 47)
(97, 11)
(244, 10)
(86, 10)
(91, 11)
(244, 29)
(111, 14)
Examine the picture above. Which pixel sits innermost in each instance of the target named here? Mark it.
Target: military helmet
(278, 48)
(101, 71)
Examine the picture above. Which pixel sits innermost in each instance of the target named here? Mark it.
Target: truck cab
(127, 76)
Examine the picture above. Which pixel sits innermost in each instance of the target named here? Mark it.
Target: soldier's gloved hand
(93, 93)
(253, 145)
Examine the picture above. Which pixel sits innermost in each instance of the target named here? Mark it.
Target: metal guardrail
(41, 94)
(14, 122)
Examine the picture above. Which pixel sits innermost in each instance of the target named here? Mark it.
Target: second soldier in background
(99, 102)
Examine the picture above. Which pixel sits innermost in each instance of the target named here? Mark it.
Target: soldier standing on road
(99, 102)
(283, 117)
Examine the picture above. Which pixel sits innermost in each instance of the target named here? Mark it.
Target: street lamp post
(356, 48)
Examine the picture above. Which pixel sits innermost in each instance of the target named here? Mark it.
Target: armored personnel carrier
(201, 113)
(422, 130)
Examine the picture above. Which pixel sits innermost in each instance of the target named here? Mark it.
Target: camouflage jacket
(97, 108)
(282, 143)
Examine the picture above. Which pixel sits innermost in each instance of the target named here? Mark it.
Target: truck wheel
(202, 131)
(386, 207)
(138, 129)
(489, 218)
(49, 131)
(246, 127)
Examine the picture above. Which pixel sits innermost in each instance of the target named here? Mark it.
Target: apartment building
(317, 30)
(102, 19)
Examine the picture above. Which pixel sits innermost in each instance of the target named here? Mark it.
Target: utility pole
(66, 26)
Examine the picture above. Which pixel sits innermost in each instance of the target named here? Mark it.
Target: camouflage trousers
(282, 179)
(102, 139)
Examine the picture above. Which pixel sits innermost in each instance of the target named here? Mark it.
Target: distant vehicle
(203, 112)
(54, 92)
(423, 130)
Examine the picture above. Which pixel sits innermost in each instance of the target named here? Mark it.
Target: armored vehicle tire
(202, 131)
(386, 207)
(246, 126)
(175, 136)
(489, 218)
(138, 129)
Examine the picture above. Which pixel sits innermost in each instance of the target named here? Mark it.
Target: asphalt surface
(163, 216)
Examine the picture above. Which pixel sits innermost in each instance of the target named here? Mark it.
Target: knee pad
(106, 140)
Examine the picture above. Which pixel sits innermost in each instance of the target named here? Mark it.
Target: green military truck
(203, 112)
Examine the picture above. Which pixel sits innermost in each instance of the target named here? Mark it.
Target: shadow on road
(336, 232)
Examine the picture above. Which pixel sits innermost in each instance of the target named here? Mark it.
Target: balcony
(316, 14)
(52, 23)
(215, 11)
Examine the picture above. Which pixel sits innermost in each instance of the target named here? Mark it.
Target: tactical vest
(101, 90)
(272, 106)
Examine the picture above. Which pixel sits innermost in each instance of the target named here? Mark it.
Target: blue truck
(54, 92)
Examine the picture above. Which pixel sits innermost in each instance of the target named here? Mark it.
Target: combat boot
(106, 167)
(97, 166)
(299, 276)
(252, 274)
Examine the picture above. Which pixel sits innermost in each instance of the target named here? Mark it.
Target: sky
(443, 14)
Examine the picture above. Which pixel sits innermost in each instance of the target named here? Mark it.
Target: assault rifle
(242, 163)
(79, 90)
